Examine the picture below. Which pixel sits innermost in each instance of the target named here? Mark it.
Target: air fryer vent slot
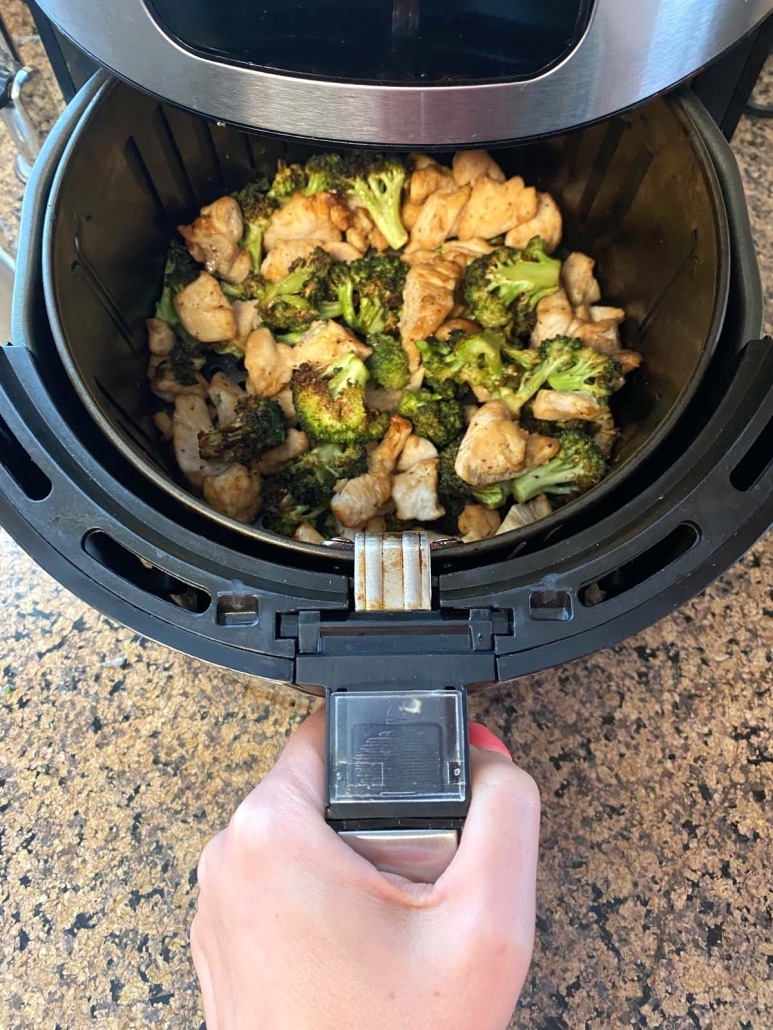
(755, 463)
(641, 568)
(21, 468)
(142, 574)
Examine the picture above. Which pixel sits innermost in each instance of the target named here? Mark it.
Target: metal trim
(629, 52)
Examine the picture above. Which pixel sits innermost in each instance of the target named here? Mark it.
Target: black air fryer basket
(84, 486)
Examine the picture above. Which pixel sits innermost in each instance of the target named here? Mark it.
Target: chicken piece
(578, 281)
(554, 316)
(605, 436)
(321, 217)
(165, 384)
(225, 395)
(469, 411)
(384, 457)
(603, 313)
(363, 233)
(307, 534)
(323, 342)
(495, 207)
(540, 449)
(376, 525)
(361, 499)
(285, 401)
(452, 325)
(415, 492)
(160, 337)
(268, 363)
(246, 318)
(628, 360)
(381, 399)
(438, 219)
(463, 252)
(276, 264)
(469, 165)
(428, 299)
(205, 311)
(416, 449)
(603, 336)
(191, 417)
(296, 443)
(213, 240)
(428, 179)
(235, 493)
(164, 425)
(477, 523)
(546, 224)
(493, 448)
(521, 515)
(558, 405)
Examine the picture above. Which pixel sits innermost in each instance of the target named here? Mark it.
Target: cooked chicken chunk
(578, 281)
(493, 448)
(361, 499)
(427, 179)
(246, 318)
(495, 207)
(415, 492)
(540, 449)
(558, 405)
(380, 399)
(603, 336)
(477, 523)
(524, 514)
(628, 360)
(191, 417)
(234, 492)
(376, 525)
(428, 299)
(602, 313)
(468, 165)
(437, 219)
(160, 337)
(285, 401)
(323, 342)
(605, 436)
(307, 534)
(205, 311)
(554, 316)
(463, 252)
(163, 382)
(164, 425)
(383, 458)
(276, 264)
(409, 212)
(225, 395)
(321, 217)
(213, 240)
(416, 449)
(362, 234)
(268, 363)
(296, 443)
(546, 224)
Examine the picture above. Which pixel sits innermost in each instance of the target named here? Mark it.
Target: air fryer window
(382, 41)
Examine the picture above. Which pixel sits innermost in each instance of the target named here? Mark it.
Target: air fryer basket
(638, 193)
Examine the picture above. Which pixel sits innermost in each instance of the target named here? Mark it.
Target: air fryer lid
(638, 193)
(406, 72)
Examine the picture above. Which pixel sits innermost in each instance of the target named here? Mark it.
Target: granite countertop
(120, 758)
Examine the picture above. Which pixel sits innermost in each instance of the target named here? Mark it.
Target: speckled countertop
(119, 759)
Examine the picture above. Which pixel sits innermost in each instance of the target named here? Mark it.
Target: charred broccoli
(435, 417)
(186, 358)
(388, 364)
(292, 304)
(473, 360)
(330, 404)
(282, 511)
(324, 173)
(556, 355)
(376, 181)
(312, 478)
(577, 467)
(180, 271)
(257, 209)
(289, 179)
(259, 426)
(502, 289)
(368, 293)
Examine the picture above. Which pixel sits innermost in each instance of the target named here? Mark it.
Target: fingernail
(482, 737)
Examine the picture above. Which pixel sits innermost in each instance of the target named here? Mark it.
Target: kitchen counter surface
(119, 759)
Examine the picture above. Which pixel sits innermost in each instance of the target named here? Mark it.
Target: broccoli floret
(180, 271)
(312, 477)
(330, 404)
(577, 467)
(282, 512)
(437, 418)
(502, 289)
(556, 355)
(369, 293)
(289, 179)
(454, 493)
(388, 364)
(472, 360)
(377, 182)
(324, 173)
(186, 358)
(591, 372)
(294, 303)
(523, 358)
(259, 425)
(257, 209)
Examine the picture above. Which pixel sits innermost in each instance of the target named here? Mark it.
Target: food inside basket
(398, 349)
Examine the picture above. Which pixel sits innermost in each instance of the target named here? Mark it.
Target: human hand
(295, 930)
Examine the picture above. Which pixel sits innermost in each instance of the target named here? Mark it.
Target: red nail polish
(482, 737)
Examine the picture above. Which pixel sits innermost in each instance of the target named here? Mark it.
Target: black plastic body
(112, 537)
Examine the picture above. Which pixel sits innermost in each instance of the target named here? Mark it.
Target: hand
(295, 930)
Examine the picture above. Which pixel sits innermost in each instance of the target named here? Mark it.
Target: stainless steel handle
(419, 855)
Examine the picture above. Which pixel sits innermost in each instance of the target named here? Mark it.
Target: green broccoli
(435, 417)
(257, 209)
(282, 512)
(556, 355)
(180, 271)
(577, 467)
(454, 493)
(502, 289)
(288, 180)
(377, 182)
(388, 364)
(295, 302)
(472, 360)
(524, 358)
(312, 478)
(330, 404)
(369, 293)
(324, 173)
(591, 372)
(259, 425)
